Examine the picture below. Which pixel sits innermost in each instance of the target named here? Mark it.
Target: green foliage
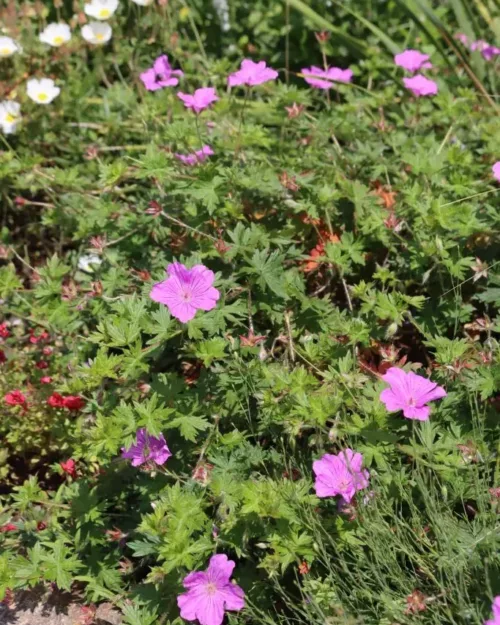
(348, 232)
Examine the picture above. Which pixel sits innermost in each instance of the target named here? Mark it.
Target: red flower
(41, 525)
(56, 400)
(304, 568)
(47, 351)
(43, 336)
(42, 364)
(4, 333)
(73, 402)
(69, 467)
(46, 379)
(8, 527)
(3, 357)
(15, 398)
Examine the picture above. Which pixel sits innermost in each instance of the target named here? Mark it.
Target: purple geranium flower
(496, 612)
(196, 157)
(200, 100)
(496, 171)
(340, 475)
(251, 74)
(160, 75)
(412, 60)
(186, 290)
(420, 85)
(147, 448)
(487, 50)
(210, 593)
(410, 393)
(324, 79)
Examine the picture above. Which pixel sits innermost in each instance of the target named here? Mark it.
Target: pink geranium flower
(496, 171)
(160, 75)
(412, 60)
(196, 157)
(340, 475)
(147, 448)
(186, 290)
(462, 37)
(325, 79)
(252, 74)
(420, 85)
(200, 100)
(410, 393)
(496, 612)
(210, 593)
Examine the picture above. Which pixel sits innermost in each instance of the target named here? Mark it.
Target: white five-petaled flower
(55, 34)
(10, 116)
(97, 33)
(42, 91)
(8, 47)
(101, 9)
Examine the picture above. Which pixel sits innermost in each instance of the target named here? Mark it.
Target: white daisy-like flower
(8, 47)
(86, 261)
(101, 9)
(97, 33)
(55, 34)
(42, 91)
(143, 3)
(10, 116)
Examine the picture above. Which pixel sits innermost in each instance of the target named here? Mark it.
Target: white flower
(42, 91)
(55, 34)
(86, 261)
(101, 9)
(143, 3)
(8, 47)
(97, 32)
(10, 116)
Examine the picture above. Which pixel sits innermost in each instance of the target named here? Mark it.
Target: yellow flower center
(9, 118)
(99, 36)
(5, 51)
(104, 13)
(58, 40)
(42, 97)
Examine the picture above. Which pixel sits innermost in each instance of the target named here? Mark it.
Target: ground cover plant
(250, 283)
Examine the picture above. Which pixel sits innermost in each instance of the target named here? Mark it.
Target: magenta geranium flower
(210, 593)
(412, 60)
(340, 475)
(410, 393)
(196, 157)
(186, 290)
(324, 79)
(147, 448)
(251, 74)
(487, 50)
(160, 75)
(496, 612)
(420, 85)
(496, 171)
(200, 100)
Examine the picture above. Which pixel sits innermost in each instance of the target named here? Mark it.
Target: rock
(39, 607)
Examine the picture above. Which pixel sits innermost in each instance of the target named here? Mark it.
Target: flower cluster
(70, 402)
(413, 61)
(487, 50)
